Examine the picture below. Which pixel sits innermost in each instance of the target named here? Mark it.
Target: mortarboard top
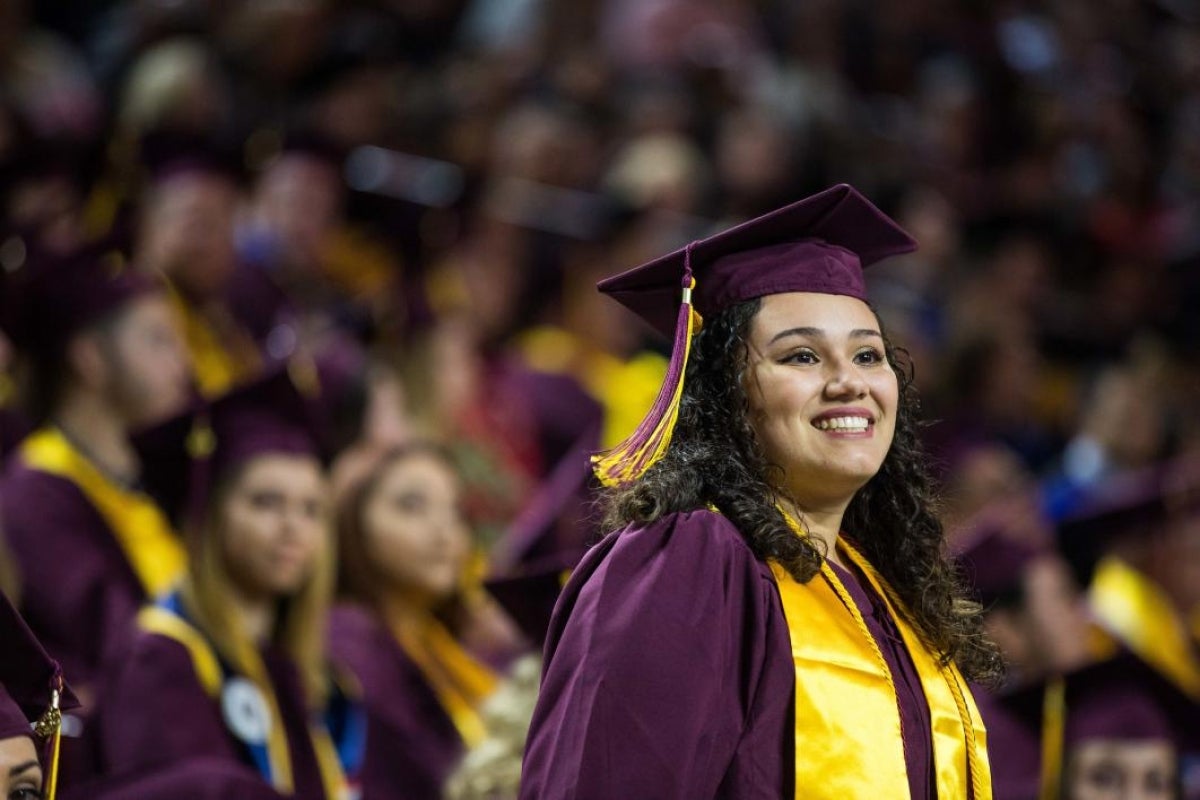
(183, 457)
(819, 244)
(993, 561)
(1119, 699)
(32, 690)
(52, 297)
(533, 559)
(559, 516)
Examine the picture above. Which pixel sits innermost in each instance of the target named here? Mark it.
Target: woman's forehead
(814, 314)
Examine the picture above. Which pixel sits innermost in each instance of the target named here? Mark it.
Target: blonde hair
(208, 589)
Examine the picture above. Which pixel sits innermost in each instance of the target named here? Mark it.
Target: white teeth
(842, 424)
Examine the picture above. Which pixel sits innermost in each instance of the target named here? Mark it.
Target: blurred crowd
(391, 214)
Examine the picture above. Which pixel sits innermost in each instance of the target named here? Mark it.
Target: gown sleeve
(155, 713)
(654, 658)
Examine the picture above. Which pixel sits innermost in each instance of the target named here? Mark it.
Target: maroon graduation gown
(195, 779)
(155, 715)
(412, 745)
(669, 674)
(78, 591)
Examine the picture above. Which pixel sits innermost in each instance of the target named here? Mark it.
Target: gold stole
(459, 681)
(848, 740)
(215, 366)
(1141, 615)
(141, 530)
(206, 664)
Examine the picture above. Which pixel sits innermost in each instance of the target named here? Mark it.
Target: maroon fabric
(1014, 747)
(155, 715)
(1117, 699)
(994, 562)
(915, 726)
(195, 779)
(28, 676)
(818, 244)
(668, 672)
(52, 298)
(78, 592)
(411, 742)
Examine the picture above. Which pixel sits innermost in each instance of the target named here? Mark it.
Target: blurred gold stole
(458, 680)
(219, 363)
(142, 531)
(848, 740)
(1139, 613)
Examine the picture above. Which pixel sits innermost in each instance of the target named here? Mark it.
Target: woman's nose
(845, 382)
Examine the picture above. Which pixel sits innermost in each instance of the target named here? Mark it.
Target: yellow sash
(1141, 615)
(848, 739)
(216, 367)
(164, 622)
(460, 682)
(143, 533)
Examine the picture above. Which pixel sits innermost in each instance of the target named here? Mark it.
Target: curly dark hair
(715, 459)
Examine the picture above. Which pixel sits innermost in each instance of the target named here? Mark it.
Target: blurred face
(187, 233)
(414, 528)
(1120, 770)
(20, 774)
(274, 524)
(1178, 562)
(147, 366)
(300, 199)
(1056, 622)
(823, 398)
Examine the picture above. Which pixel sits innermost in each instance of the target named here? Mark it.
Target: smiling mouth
(844, 424)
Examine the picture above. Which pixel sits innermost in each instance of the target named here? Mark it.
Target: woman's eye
(411, 502)
(25, 793)
(800, 357)
(868, 356)
(265, 500)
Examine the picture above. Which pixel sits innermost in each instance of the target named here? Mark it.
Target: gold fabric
(1138, 612)
(221, 359)
(460, 682)
(848, 738)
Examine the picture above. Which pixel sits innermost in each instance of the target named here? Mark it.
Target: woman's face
(275, 524)
(414, 527)
(822, 395)
(1120, 770)
(20, 773)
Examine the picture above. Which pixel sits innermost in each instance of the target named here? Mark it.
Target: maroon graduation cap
(819, 244)
(53, 297)
(994, 561)
(32, 691)
(184, 457)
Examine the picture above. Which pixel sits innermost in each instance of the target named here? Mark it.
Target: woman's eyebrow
(857, 333)
(19, 768)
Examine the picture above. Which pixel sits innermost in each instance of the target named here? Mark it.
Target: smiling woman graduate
(774, 616)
